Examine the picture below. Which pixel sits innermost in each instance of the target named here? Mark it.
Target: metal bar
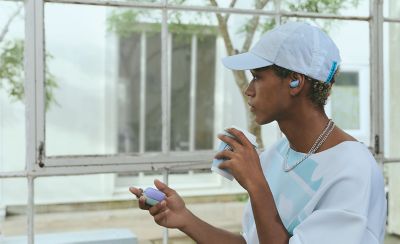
(212, 9)
(13, 174)
(158, 158)
(110, 3)
(34, 99)
(165, 83)
(31, 210)
(193, 84)
(29, 85)
(101, 169)
(142, 113)
(376, 73)
(39, 81)
(278, 16)
(393, 20)
(166, 181)
(323, 16)
(89, 170)
(391, 160)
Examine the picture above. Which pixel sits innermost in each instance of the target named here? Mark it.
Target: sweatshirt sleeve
(331, 226)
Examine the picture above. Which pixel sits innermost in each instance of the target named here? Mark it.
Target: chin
(263, 121)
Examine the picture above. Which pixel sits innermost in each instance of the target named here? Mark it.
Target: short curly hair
(319, 90)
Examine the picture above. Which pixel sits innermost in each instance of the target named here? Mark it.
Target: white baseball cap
(296, 46)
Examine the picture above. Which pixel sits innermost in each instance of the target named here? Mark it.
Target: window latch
(41, 155)
(376, 145)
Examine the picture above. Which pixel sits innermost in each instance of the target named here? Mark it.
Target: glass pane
(13, 221)
(153, 92)
(240, 4)
(12, 108)
(197, 48)
(391, 8)
(206, 49)
(193, 68)
(391, 120)
(180, 91)
(341, 7)
(345, 100)
(104, 70)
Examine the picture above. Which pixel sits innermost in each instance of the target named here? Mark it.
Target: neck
(303, 129)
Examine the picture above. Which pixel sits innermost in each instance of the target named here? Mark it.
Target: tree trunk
(10, 20)
(252, 126)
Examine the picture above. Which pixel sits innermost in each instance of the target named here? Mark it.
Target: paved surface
(226, 215)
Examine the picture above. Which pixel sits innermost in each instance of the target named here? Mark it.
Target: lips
(251, 107)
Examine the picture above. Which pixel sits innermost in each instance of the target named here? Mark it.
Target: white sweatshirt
(334, 197)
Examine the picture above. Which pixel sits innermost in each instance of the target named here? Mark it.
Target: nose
(250, 90)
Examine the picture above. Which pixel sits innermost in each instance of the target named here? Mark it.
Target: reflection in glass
(391, 8)
(343, 7)
(12, 108)
(240, 4)
(345, 101)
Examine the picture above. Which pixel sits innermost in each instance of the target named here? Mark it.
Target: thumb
(163, 187)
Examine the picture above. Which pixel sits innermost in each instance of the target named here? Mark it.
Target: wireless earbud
(294, 83)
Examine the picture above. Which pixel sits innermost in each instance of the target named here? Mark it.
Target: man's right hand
(171, 212)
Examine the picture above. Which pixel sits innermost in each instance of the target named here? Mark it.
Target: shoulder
(349, 171)
(347, 157)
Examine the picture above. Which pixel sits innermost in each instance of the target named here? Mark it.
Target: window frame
(38, 165)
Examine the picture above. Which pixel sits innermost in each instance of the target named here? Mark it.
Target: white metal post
(165, 179)
(30, 210)
(193, 84)
(377, 92)
(278, 4)
(142, 116)
(165, 95)
(34, 82)
(165, 82)
(34, 98)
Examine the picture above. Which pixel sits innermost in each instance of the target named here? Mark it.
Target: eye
(255, 77)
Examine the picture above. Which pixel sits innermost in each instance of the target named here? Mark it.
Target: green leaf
(12, 73)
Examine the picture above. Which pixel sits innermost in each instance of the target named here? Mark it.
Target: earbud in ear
(294, 83)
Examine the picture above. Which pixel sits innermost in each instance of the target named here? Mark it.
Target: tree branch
(222, 24)
(239, 75)
(10, 20)
(253, 24)
(231, 5)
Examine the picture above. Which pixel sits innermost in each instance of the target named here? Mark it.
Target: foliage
(12, 73)
(322, 6)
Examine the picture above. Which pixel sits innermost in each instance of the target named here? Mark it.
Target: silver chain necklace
(317, 144)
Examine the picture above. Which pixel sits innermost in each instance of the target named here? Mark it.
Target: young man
(316, 185)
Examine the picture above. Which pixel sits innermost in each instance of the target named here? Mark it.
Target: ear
(296, 84)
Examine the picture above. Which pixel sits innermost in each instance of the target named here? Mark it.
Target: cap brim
(245, 61)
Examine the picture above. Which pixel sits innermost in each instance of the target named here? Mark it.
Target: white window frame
(38, 165)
